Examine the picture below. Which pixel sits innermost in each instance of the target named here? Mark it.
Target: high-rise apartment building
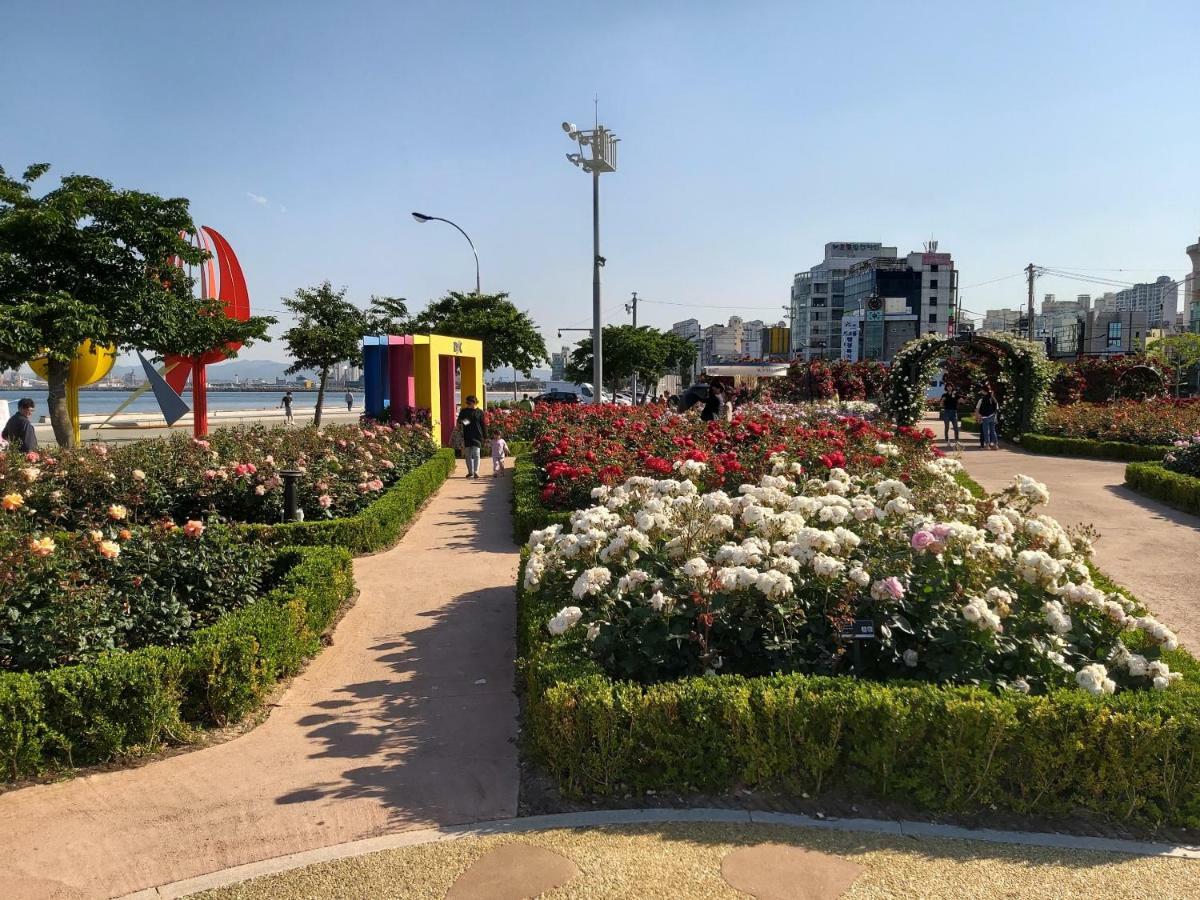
(900, 299)
(1159, 300)
(558, 364)
(723, 342)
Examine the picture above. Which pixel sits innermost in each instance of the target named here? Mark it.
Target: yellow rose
(41, 546)
(12, 502)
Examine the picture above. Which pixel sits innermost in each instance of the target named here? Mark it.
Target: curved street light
(421, 217)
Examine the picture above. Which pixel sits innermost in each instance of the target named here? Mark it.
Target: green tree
(388, 315)
(329, 329)
(645, 350)
(87, 261)
(510, 337)
(1180, 352)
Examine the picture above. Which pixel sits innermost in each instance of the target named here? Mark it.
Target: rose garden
(811, 602)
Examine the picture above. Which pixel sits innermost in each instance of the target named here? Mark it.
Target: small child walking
(499, 451)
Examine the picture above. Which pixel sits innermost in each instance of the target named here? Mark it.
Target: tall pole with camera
(597, 153)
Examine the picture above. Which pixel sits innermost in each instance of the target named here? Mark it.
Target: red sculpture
(220, 278)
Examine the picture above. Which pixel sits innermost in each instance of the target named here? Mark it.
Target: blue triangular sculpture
(172, 405)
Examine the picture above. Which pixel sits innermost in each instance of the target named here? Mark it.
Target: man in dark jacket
(19, 430)
(474, 432)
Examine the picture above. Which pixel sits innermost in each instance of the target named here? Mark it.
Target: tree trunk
(60, 417)
(320, 398)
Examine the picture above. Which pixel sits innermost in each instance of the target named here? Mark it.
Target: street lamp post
(601, 144)
(421, 217)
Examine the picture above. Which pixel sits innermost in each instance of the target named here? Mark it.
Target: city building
(1005, 321)
(818, 298)
(558, 364)
(896, 300)
(1192, 291)
(776, 342)
(1159, 300)
(722, 342)
(752, 338)
(1111, 332)
(691, 330)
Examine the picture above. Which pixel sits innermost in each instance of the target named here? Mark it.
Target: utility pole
(1030, 271)
(631, 306)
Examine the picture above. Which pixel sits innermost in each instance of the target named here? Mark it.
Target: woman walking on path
(474, 433)
(950, 400)
(988, 409)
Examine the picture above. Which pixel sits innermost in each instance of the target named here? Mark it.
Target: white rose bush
(659, 580)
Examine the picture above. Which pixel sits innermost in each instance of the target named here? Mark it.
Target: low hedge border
(1129, 757)
(528, 512)
(126, 704)
(1172, 488)
(374, 528)
(1053, 445)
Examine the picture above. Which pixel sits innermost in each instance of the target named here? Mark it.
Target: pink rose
(892, 585)
(325, 501)
(920, 541)
(194, 528)
(941, 531)
(34, 456)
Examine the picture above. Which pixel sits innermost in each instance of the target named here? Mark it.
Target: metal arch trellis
(1022, 362)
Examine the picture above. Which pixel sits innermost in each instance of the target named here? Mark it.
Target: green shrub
(376, 527)
(1172, 488)
(1085, 447)
(134, 702)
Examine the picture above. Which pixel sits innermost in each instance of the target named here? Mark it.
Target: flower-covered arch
(1024, 377)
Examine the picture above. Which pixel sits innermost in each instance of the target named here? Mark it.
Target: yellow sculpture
(91, 363)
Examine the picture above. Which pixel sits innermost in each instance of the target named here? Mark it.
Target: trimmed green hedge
(374, 528)
(528, 512)
(1054, 445)
(1172, 488)
(130, 703)
(1129, 757)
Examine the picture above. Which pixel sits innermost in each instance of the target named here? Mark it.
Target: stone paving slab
(407, 721)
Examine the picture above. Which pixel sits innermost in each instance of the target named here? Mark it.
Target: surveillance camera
(568, 127)
(600, 261)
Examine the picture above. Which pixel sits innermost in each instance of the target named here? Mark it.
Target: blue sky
(1060, 133)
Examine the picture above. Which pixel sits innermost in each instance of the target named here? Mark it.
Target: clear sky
(1061, 133)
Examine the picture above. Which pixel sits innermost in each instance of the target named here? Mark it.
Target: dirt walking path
(1145, 546)
(407, 720)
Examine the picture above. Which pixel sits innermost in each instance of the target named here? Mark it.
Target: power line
(706, 305)
(992, 281)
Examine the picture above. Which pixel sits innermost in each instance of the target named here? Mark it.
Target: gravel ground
(673, 860)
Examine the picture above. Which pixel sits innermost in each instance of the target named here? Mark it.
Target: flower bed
(594, 445)
(1155, 423)
(679, 671)
(123, 703)
(182, 587)
(234, 474)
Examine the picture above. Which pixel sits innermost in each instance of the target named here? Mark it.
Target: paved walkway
(1145, 546)
(407, 720)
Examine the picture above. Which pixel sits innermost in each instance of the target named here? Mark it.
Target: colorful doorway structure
(410, 374)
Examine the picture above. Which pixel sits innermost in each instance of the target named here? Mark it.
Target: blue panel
(374, 378)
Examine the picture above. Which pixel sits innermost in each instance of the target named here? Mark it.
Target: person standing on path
(988, 409)
(286, 403)
(19, 430)
(499, 451)
(712, 405)
(950, 401)
(474, 432)
(349, 401)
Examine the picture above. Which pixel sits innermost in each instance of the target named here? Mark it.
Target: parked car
(556, 397)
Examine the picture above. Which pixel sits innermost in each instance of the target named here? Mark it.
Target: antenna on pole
(596, 101)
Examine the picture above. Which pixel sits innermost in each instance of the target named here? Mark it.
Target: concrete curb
(598, 818)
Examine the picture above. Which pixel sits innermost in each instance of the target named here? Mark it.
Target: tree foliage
(87, 261)
(1179, 352)
(510, 337)
(329, 329)
(388, 315)
(649, 352)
